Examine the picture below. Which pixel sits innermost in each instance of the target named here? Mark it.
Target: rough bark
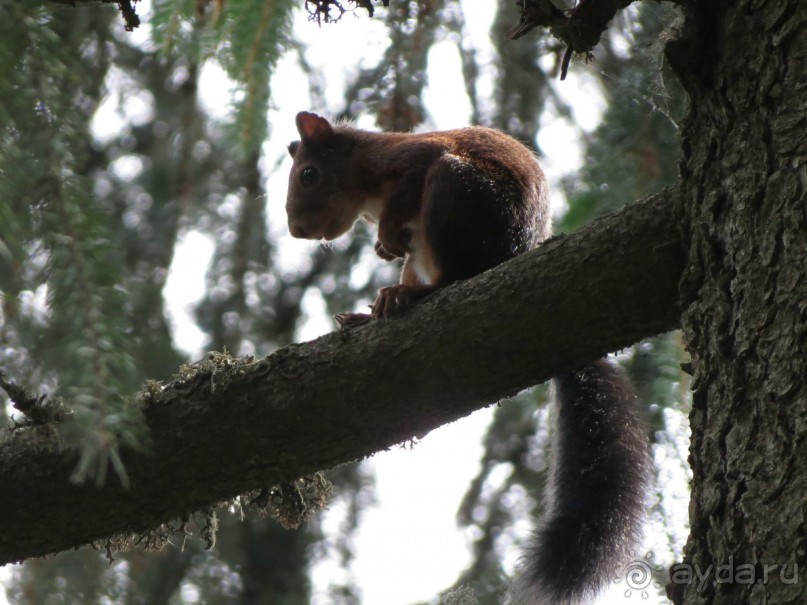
(744, 176)
(232, 426)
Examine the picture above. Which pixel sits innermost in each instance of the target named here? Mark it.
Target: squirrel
(453, 204)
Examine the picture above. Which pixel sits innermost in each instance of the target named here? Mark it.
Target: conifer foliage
(60, 243)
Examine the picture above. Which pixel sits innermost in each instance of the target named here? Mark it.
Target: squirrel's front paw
(392, 299)
(393, 244)
(382, 252)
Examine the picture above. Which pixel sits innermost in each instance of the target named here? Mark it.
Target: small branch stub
(129, 14)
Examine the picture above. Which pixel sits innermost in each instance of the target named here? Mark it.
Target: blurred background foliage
(91, 219)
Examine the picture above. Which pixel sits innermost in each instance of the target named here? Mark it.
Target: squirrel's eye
(309, 176)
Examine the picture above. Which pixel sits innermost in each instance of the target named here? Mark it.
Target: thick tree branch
(232, 427)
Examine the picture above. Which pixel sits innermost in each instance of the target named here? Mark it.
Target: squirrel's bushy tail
(595, 496)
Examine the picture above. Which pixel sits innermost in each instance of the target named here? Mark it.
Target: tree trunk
(744, 174)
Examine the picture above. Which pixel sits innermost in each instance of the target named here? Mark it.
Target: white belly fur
(418, 259)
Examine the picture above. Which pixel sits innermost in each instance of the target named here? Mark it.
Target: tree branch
(229, 426)
(580, 27)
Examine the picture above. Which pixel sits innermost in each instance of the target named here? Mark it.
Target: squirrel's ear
(293, 147)
(313, 128)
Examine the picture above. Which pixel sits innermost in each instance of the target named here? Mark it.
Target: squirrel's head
(322, 201)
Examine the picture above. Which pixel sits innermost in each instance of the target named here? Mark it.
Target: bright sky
(408, 548)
